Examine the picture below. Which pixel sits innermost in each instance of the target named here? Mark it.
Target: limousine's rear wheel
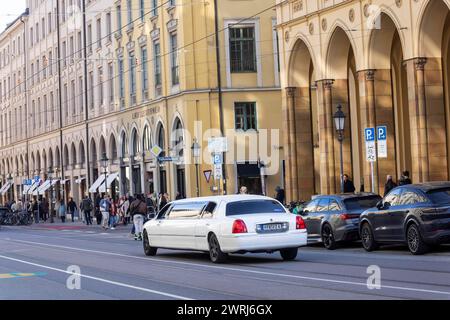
(289, 254)
(215, 253)
(367, 238)
(148, 250)
(415, 242)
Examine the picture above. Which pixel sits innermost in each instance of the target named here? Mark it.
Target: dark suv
(335, 218)
(418, 215)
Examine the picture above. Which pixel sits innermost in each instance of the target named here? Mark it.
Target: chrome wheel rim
(413, 239)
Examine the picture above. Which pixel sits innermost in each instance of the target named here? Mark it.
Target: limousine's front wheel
(148, 250)
(215, 253)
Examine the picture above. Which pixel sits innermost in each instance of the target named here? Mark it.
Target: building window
(91, 90)
(130, 13)
(245, 116)
(89, 39)
(64, 54)
(111, 82)
(121, 82)
(52, 106)
(141, 9)
(174, 59)
(66, 100)
(154, 7)
(132, 62)
(242, 49)
(157, 66)
(108, 27)
(119, 18)
(99, 33)
(72, 98)
(144, 73)
(81, 95)
(100, 85)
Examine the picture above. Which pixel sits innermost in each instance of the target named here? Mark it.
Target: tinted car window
(362, 203)
(186, 210)
(410, 197)
(311, 207)
(253, 207)
(323, 205)
(334, 206)
(393, 197)
(439, 196)
(209, 210)
(163, 211)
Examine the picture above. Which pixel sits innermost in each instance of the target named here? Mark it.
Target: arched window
(113, 147)
(161, 140)
(178, 138)
(102, 146)
(136, 143)
(82, 153)
(74, 155)
(146, 139)
(124, 145)
(93, 152)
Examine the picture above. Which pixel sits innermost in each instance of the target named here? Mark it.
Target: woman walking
(62, 211)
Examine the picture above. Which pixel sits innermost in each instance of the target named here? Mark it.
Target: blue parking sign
(381, 133)
(369, 134)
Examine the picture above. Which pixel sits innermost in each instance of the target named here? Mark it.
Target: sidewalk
(77, 225)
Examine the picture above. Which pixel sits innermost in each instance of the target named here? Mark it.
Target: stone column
(326, 127)
(290, 145)
(368, 119)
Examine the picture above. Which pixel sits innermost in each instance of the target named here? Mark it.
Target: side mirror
(152, 216)
(387, 205)
(380, 205)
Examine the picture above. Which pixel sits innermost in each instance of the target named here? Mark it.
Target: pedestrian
(105, 207)
(279, 194)
(87, 206)
(45, 209)
(138, 209)
(62, 211)
(112, 214)
(348, 184)
(126, 210)
(162, 201)
(35, 210)
(243, 190)
(390, 184)
(404, 180)
(72, 208)
(98, 214)
(179, 196)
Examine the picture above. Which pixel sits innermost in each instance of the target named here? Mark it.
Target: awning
(79, 180)
(248, 170)
(109, 181)
(44, 187)
(97, 183)
(25, 189)
(33, 188)
(5, 188)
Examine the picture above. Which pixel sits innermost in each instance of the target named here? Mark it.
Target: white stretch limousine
(226, 224)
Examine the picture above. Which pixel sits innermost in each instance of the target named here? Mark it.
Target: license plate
(272, 227)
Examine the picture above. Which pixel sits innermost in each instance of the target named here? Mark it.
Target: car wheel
(148, 250)
(215, 253)
(367, 238)
(328, 237)
(289, 254)
(415, 242)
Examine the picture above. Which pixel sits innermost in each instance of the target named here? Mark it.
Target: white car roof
(226, 198)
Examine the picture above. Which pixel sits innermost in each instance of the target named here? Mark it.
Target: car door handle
(207, 224)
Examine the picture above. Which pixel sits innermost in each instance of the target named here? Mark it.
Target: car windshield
(253, 207)
(361, 203)
(439, 196)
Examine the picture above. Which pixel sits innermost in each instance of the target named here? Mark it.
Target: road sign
(207, 174)
(382, 141)
(217, 144)
(156, 150)
(369, 135)
(167, 159)
(218, 171)
(37, 179)
(218, 158)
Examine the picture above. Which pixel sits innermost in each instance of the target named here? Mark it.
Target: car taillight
(300, 223)
(239, 227)
(345, 216)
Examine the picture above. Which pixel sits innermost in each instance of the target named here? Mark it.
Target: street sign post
(382, 141)
(371, 154)
(207, 174)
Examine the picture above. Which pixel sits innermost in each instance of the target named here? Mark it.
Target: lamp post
(10, 181)
(339, 122)
(196, 154)
(50, 178)
(104, 162)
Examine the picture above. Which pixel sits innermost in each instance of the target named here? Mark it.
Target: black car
(335, 218)
(4, 211)
(418, 215)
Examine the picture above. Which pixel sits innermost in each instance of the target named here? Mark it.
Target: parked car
(335, 218)
(418, 215)
(4, 212)
(226, 224)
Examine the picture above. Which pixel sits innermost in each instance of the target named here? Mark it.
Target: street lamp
(50, 178)
(104, 162)
(339, 123)
(196, 154)
(10, 180)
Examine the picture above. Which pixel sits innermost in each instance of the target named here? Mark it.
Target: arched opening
(66, 157)
(124, 169)
(147, 144)
(38, 163)
(113, 147)
(57, 158)
(73, 152)
(82, 153)
(94, 160)
(44, 161)
(136, 164)
(178, 146)
(345, 92)
(123, 145)
(102, 147)
(303, 128)
(160, 138)
(50, 158)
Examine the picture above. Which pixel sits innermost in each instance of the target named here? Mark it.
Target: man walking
(390, 184)
(138, 210)
(349, 187)
(105, 206)
(86, 207)
(72, 206)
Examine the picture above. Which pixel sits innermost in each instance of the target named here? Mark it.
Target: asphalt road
(34, 263)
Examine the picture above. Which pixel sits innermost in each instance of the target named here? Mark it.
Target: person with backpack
(62, 211)
(138, 209)
(86, 207)
(105, 207)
